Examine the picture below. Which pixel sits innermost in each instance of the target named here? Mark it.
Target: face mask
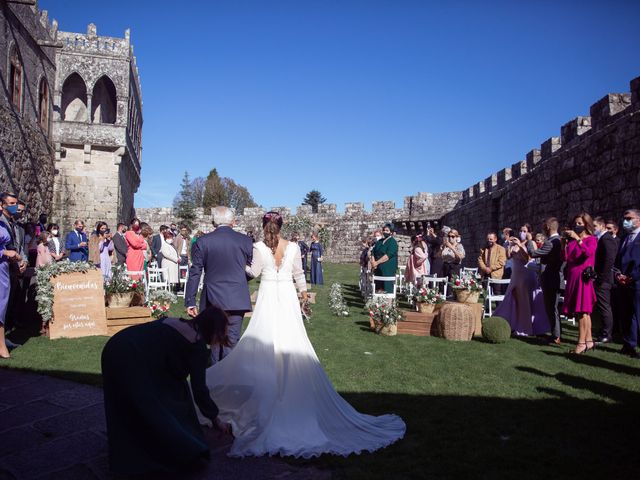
(523, 236)
(12, 209)
(79, 229)
(54, 232)
(628, 225)
(135, 228)
(458, 239)
(597, 232)
(489, 244)
(386, 235)
(170, 241)
(578, 229)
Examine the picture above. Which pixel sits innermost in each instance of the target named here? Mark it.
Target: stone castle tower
(97, 129)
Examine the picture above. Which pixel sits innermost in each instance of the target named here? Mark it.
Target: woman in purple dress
(579, 294)
(5, 257)
(105, 247)
(523, 304)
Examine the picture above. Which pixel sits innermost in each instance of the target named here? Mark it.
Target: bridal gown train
(272, 388)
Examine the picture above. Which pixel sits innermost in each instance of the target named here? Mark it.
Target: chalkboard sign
(78, 305)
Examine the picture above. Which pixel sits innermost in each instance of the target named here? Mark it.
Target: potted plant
(428, 299)
(162, 297)
(120, 289)
(384, 316)
(467, 289)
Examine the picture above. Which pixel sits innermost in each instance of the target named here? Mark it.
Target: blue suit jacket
(72, 245)
(628, 260)
(223, 254)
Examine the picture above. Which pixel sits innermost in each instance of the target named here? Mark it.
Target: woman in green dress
(385, 258)
(152, 425)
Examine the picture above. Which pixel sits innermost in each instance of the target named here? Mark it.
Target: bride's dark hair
(271, 224)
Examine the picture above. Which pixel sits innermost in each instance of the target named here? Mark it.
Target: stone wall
(26, 155)
(344, 231)
(593, 166)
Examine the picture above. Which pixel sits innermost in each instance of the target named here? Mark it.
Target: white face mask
(523, 236)
(170, 241)
(378, 237)
(458, 239)
(54, 232)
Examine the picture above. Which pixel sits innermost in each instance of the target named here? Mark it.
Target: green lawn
(473, 409)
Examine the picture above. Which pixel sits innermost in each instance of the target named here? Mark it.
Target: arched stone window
(104, 103)
(15, 79)
(74, 99)
(43, 105)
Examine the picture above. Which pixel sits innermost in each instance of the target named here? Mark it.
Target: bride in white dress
(272, 389)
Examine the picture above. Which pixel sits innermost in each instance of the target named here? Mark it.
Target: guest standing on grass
(385, 259)
(55, 246)
(170, 259)
(136, 248)
(579, 295)
(120, 244)
(152, 427)
(606, 253)
(43, 255)
(76, 243)
(418, 261)
(105, 247)
(6, 255)
(317, 277)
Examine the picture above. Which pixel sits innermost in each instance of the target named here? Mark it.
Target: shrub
(496, 330)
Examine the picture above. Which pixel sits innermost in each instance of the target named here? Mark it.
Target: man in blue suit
(223, 254)
(628, 263)
(76, 243)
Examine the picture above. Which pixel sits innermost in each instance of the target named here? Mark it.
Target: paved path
(55, 429)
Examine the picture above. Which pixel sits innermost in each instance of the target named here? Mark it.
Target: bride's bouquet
(305, 309)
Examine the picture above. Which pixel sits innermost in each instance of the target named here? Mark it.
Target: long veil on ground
(272, 387)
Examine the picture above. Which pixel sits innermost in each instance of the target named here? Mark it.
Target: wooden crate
(418, 324)
(121, 318)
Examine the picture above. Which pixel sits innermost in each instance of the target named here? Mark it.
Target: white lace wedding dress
(272, 388)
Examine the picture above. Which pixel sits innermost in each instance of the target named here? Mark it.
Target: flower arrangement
(337, 304)
(382, 313)
(121, 283)
(470, 283)
(44, 288)
(158, 311)
(162, 296)
(305, 309)
(430, 296)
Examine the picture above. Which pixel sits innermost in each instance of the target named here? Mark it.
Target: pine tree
(185, 205)
(314, 198)
(214, 192)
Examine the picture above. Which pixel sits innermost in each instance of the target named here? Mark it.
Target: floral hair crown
(274, 217)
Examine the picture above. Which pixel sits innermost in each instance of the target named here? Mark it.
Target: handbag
(589, 274)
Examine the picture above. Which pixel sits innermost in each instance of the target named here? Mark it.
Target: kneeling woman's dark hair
(211, 326)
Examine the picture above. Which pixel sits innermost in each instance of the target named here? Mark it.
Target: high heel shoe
(592, 347)
(575, 351)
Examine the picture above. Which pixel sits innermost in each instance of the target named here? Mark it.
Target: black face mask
(489, 244)
(578, 229)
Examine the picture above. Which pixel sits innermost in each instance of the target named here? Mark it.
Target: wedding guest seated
(418, 261)
(55, 247)
(152, 426)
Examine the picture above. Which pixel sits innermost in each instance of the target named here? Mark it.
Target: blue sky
(362, 100)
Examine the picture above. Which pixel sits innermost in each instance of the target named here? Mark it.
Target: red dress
(135, 254)
(579, 297)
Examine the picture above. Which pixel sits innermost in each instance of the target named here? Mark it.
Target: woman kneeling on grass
(151, 420)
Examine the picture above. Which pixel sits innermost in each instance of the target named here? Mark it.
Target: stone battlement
(606, 111)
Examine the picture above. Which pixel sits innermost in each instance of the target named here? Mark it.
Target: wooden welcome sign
(78, 305)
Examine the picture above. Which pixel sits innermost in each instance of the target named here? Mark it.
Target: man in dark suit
(120, 244)
(550, 255)
(223, 254)
(76, 243)
(605, 258)
(304, 250)
(628, 278)
(156, 244)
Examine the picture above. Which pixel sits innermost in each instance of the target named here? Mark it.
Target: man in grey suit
(120, 244)
(223, 255)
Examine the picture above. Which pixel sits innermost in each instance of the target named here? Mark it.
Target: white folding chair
(469, 272)
(491, 296)
(400, 279)
(157, 278)
(434, 282)
(183, 275)
(560, 299)
(386, 296)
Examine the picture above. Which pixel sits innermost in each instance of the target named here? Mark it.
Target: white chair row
(491, 295)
